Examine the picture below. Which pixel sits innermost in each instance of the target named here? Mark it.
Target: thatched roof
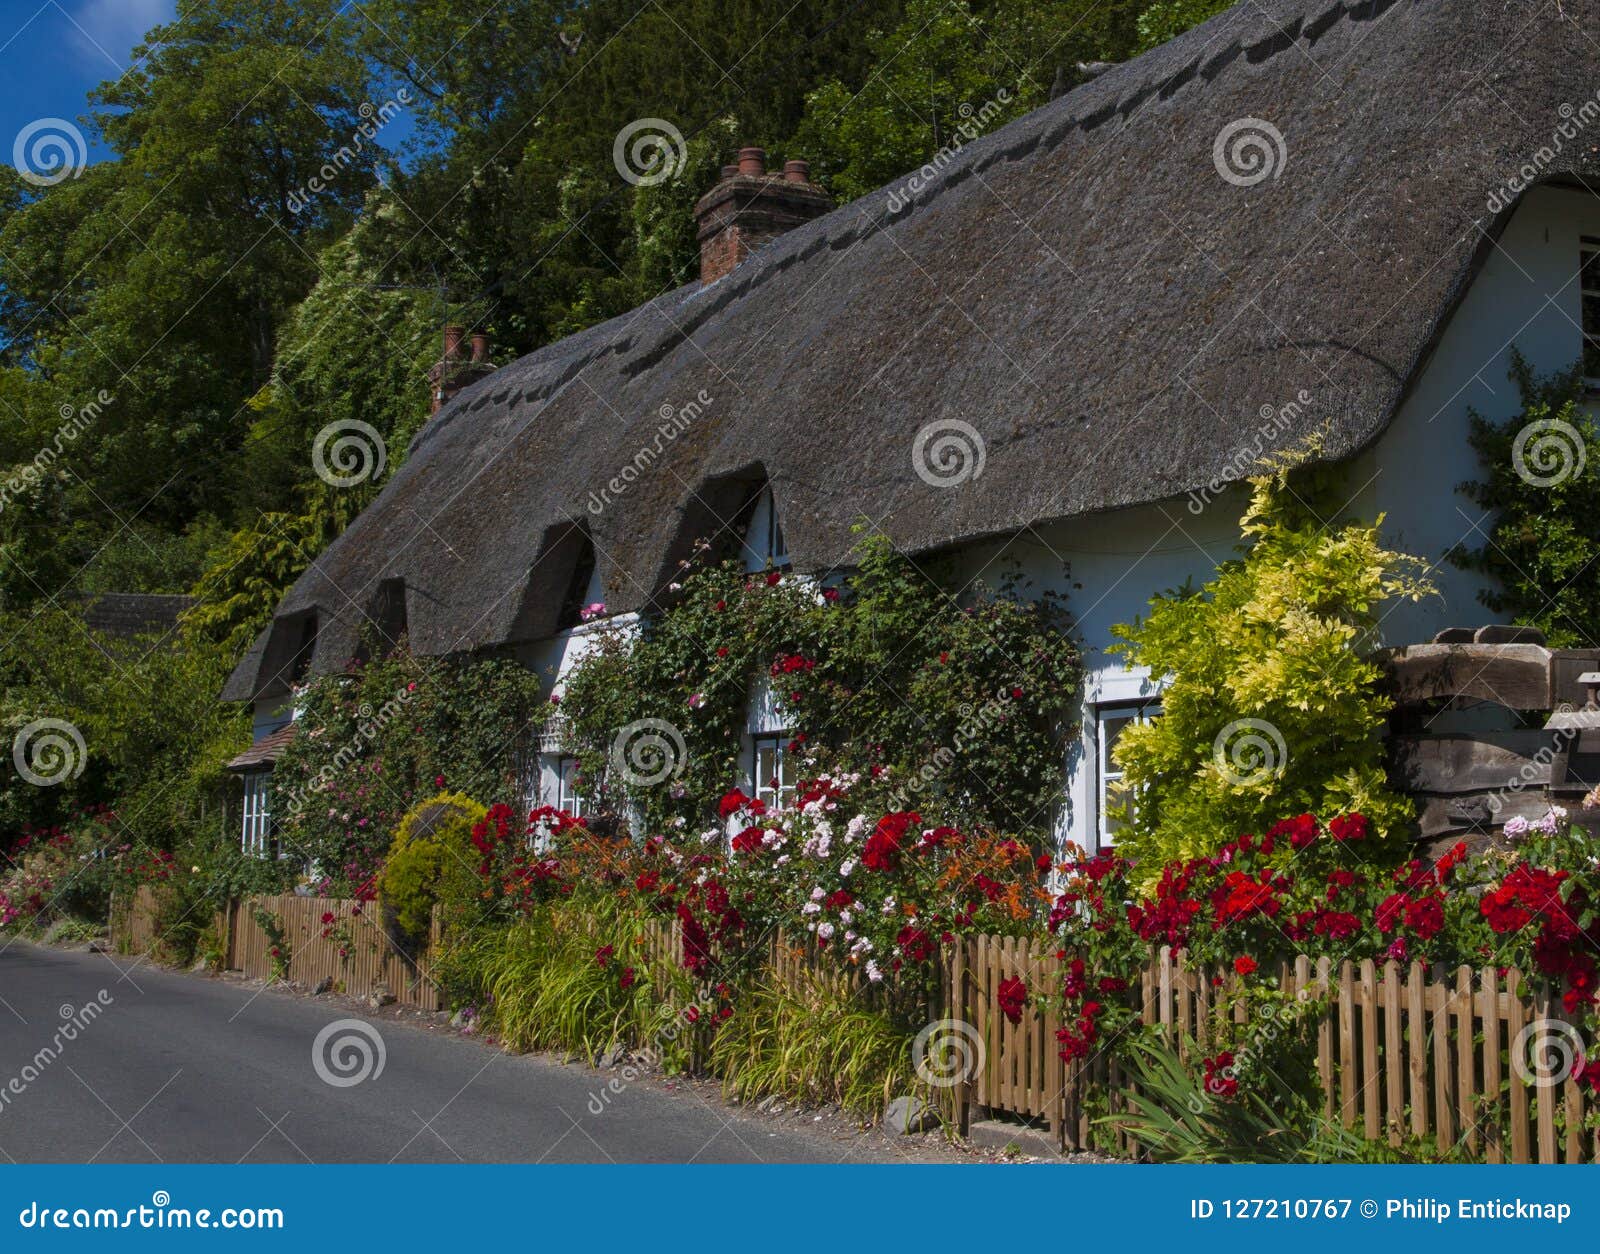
(128, 615)
(1082, 287)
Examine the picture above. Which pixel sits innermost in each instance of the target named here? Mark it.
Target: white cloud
(105, 31)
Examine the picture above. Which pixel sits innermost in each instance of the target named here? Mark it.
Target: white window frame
(1589, 287)
(777, 743)
(255, 833)
(764, 544)
(567, 796)
(1107, 773)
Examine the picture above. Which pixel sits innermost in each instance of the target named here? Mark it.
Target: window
(567, 795)
(305, 649)
(1110, 722)
(764, 545)
(578, 593)
(1589, 286)
(256, 836)
(773, 770)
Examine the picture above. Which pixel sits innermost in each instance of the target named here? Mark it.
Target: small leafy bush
(431, 862)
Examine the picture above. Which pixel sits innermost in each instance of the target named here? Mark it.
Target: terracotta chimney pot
(452, 342)
(747, 209)
(480, 346)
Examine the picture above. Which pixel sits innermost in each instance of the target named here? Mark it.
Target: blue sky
(53, 52)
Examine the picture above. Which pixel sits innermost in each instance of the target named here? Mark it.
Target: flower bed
(893, 901)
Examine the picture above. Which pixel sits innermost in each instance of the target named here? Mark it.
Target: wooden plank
(1325, 1064)
(1443, 1073)
(1489, 1013)
(1054, 1070)
(1466, 1079)
(960, 1011)
(1347, 1045)
(1393, 1055)
(1166, 990)
(1417, 1051)
(1574, 1098)
(1545, 1098)
(1471, 763)
(1371, 1085)
(1516, 1019)
(1513, 675)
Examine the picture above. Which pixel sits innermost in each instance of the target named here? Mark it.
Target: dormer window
(583, 588)
(763, 546)
(305, 647)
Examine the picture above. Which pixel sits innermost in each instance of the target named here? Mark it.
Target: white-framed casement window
(1589, 288)
(1110, 721)
(764, 545)
(567, 796)
(772, 772)
(255, 836)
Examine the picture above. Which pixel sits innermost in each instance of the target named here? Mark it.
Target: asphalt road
(105, 1060)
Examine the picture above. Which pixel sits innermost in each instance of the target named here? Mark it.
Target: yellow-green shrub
(430, 861)
(1272, 706)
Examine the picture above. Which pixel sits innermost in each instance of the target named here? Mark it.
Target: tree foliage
(1541, 498)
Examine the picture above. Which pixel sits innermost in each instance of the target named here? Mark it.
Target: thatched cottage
(1058, 344)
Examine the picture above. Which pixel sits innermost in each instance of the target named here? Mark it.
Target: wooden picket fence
(133, 921)
(1402, 1052)
(371, 959)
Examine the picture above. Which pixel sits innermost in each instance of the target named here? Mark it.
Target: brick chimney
(749, 207)
(455, 370)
